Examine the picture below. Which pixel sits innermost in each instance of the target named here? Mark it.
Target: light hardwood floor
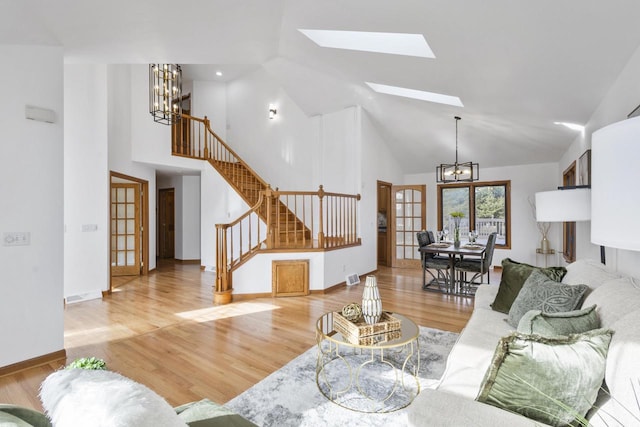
(162, 330)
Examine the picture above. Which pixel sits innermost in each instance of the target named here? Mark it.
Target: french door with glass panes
(125, 229)
(409, 217)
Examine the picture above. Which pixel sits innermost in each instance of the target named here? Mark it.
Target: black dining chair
(478, 266)
(432, 262)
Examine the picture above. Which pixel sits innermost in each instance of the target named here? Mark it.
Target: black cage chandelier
(165, 93)
(457, 172)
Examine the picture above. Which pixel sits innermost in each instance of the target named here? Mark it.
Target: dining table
(474, 249)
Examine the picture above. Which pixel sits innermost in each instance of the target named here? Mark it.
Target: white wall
(281, 150)
(219, 204)
(86, 180)
(378, 163)
(526, 180)
(339, 140)
(210, 99)
(622, 98)
(31, 200)
(256, 276)
(124, 118)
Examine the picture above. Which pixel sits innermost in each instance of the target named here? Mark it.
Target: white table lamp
(615, 175)
(564, 204)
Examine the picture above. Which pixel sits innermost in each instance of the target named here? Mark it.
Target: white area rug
(290, 396)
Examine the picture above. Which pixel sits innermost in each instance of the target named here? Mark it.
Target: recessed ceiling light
(572, 126)
(393, 43)
(416, 94)
(218, 73)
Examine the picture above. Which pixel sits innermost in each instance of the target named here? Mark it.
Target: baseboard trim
(244, 297)
(188, 261)
(30, 363)
(341, 284)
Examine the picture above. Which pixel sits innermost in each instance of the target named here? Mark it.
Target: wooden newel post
(223, 289)
(206, 135)
(320, 219)
(268, 196)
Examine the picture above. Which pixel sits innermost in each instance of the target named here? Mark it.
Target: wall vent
(71, 299)
(352, 279)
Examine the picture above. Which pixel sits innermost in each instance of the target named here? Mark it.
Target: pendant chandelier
(457, 172)
(165, 93)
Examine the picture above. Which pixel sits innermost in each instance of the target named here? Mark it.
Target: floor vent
(72, 299)
(352, 279)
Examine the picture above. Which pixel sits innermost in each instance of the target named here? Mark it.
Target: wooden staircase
(277, 220)
(249, 186)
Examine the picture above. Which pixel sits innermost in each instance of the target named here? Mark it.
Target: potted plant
(88, 363)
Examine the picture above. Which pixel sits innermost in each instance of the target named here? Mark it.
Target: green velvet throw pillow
(541, 293)
(514, 274)
(551, 380)
(30, 417)
(8, 420)
(206, 413)
(564, 323)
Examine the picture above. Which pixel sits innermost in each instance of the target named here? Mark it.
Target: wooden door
(569, 228)
(125, 229)
(408, 217)
(166, 223)
(383, 219)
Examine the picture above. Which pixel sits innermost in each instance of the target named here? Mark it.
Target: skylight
(416, 94)
(393, 43)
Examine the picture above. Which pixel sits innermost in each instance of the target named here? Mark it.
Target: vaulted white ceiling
(517, 66)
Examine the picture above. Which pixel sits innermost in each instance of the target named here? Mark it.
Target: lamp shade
(563, 205)
(615, 174)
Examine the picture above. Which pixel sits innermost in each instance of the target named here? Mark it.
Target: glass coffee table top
(377, 373)
(325, 327)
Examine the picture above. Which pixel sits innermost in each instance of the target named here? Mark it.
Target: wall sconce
(272, 111)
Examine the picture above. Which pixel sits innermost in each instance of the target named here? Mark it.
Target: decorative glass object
(371, 302)
(457, 217)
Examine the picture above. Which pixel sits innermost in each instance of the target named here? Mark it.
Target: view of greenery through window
(490, 202)
(487, 209)
(455, 200)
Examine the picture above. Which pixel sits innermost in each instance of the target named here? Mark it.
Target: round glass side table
(376, 373)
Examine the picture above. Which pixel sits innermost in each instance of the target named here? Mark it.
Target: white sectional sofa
(452, 401)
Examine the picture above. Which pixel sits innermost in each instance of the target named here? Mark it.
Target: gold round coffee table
(376, 373)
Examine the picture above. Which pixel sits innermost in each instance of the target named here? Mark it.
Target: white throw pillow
(615, 299)
(81, 398)
(588, 272)
(622, 375)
